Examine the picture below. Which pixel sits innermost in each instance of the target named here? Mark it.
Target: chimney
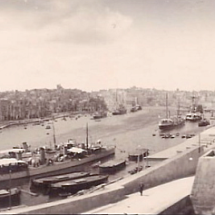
(19, 155)
(65, 150)
(42, 155)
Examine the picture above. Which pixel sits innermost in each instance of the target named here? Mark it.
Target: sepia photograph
(107, 107)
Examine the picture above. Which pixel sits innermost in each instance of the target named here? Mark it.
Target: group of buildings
(38, 103)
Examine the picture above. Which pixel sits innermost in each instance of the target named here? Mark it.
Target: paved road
(153, 201)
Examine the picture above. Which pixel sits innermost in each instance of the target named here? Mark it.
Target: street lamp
(138, 158)
(199, 142)
(9, 186)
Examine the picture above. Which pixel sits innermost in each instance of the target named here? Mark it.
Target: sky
(103, 44)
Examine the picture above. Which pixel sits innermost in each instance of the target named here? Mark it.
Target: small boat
(99, 115)
(166, 136)
(48, 127)
(73, 186)
(112, 166)
(203, 122)
(193, 116)
(6, 195)
(141, 153)
(172, 136)
(135, 170)
(46, 181)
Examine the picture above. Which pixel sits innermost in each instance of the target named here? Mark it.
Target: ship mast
(54, 138)
(167, 111)
(87, 136)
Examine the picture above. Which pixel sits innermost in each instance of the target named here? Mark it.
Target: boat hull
(73, 186)
(171, 126)
(111, 169)
(47, 181)
(13, 198)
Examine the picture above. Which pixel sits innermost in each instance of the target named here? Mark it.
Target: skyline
(93, 45)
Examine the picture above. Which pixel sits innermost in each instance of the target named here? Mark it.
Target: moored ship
(171, 122)
(21, 169)
(47, 181)
(99, 115)
(72, 159)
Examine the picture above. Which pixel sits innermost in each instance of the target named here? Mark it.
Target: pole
(10, 187)
(87, 136)
(54, 138)
(146, 159)
(138, 159)
(199, 142)
(167, 106)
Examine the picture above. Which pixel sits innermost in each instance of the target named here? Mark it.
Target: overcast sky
(102, 44)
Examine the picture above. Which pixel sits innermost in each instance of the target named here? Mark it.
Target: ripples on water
(126, 132)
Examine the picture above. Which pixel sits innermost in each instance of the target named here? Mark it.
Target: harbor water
(125, 132)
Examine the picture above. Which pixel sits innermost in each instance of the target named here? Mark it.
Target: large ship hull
(171, 126)
(58, 168)
(73, 186)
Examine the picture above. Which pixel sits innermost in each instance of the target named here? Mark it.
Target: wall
(170, 169)
(182, 207)
(203, 191)
(174, 168)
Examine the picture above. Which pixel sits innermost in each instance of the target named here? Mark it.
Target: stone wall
(182, 207)
(203, 191)
(182, 165)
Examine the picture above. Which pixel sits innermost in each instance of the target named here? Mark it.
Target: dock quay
(205, 138)
(176, 170)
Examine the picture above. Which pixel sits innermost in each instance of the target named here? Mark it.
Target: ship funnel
(42, 155)
(19, 155)
(65, 150)
(25, 146)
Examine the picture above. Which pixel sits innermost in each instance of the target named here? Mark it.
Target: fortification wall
(182, 165)
(203, 191)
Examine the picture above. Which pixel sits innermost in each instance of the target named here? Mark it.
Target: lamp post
(9, 186)
(138, 158)
(54, 137)
(199, 142)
